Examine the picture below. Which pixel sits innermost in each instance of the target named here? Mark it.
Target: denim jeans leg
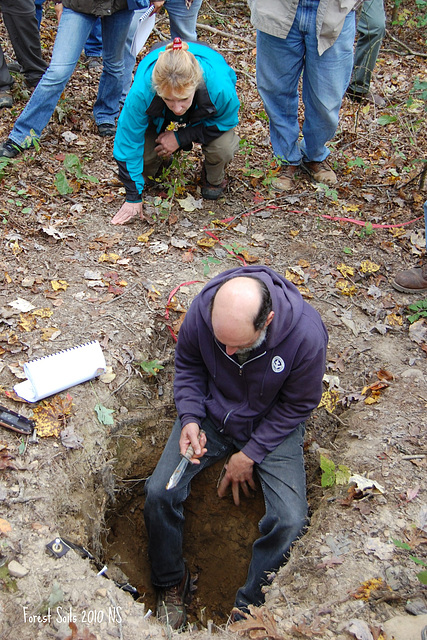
(93, 46)
(279, 65)
(114, 33)
(163, 510)
(325, 81)
(371, 29)
(182, 21)
(73, 30)
(282, 476)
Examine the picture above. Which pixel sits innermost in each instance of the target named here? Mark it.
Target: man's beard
(255, 345)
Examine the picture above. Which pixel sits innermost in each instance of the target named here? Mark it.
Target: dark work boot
(411, 280)
(171, 601)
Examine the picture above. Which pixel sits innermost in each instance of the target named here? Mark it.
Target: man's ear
(269, 318)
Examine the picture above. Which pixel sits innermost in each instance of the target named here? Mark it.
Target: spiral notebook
(59, 371)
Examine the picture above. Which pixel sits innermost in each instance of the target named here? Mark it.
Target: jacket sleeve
(300, 394)
(191, 375)
(130, 138)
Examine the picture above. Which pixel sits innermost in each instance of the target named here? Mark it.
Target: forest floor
(68, 277)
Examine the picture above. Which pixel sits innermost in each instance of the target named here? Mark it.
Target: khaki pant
(218, 154)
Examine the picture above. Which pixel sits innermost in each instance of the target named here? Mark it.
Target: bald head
(237, 318)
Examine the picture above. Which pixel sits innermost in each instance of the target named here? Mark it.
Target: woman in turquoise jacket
(190, 85)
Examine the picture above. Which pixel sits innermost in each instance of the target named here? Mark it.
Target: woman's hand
(128, 211)
(166, 144)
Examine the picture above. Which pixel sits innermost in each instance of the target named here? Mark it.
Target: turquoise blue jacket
(214, 110)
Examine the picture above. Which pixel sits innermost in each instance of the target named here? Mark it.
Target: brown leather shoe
(171, 601)
(411, 280)
(320, 171)
(285, 181)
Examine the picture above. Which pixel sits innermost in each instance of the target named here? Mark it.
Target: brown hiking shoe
(411, 280)
(285, 181)
(320, 171)
(171, 601)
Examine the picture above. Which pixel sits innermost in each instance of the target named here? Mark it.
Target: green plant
(174, 179)
(332, 474)
(208, 262)
(365, 231)
(418, 310)
(72, 165)
(357, 162)
(422, 575)
(151, 367)
(329, 193)
(104, 415)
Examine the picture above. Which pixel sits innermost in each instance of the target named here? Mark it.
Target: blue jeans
(182, 24)
(282, 478)
(93, 46)
(73, 31)
(280, 63)
(371, 30)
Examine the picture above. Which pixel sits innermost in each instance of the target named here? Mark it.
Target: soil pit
(218, 535)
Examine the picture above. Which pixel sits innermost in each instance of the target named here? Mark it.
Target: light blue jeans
(371, 30)
(280, 63)
(73, 31)
(282, 477)
(182, 24)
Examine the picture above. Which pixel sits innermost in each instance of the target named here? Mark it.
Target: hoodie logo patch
(277, 364)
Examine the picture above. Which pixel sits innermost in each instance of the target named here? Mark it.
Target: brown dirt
(92, 495)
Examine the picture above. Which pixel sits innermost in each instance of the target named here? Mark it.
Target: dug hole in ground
(354, 573)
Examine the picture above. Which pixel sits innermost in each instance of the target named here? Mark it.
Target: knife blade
(179, 471)
(16, 422)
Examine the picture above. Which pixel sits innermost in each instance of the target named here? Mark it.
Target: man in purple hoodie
(249, 365)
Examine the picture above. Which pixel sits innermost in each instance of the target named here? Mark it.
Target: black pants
(19, 16)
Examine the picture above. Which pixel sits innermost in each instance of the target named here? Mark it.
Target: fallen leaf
(367, 266)
(190, 204)
(259, 624)
(59, 284)
(21, 305)
(5, 526)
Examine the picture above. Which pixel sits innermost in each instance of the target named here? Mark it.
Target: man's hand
(192, 434)
(128, 211)
(157, 4)
(166, 144)
(58, 10)
(238, 473)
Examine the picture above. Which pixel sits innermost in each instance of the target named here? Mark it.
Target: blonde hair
(176, 70)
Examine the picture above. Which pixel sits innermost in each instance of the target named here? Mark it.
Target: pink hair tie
(177, 44)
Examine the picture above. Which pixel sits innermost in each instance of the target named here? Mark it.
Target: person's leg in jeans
(282, 477)
(371, 30)
(182, 21)
(163, 510)
(114, 33)
(20, 19)
(93, 46)
(72, 33)
(279, 64)
(325, 81)
(39, 11)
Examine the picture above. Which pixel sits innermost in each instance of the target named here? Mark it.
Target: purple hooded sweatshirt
(260, 402)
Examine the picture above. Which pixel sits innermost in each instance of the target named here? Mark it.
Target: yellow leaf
(16, 248)
(50, 417)
(367, 266)
(345, 288)
(329, 400)
(303, 263)
(345, 270)
(108, 257)
(5, 526)
(371, 400)
(27, 322)
(59, 284)
(294, 232)
(7, 277)
(393, 319)
(42, 313)
(305, 292)
(294, 277)
(207, 243)
(248, 258)
(144, 236)
(351, 207)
